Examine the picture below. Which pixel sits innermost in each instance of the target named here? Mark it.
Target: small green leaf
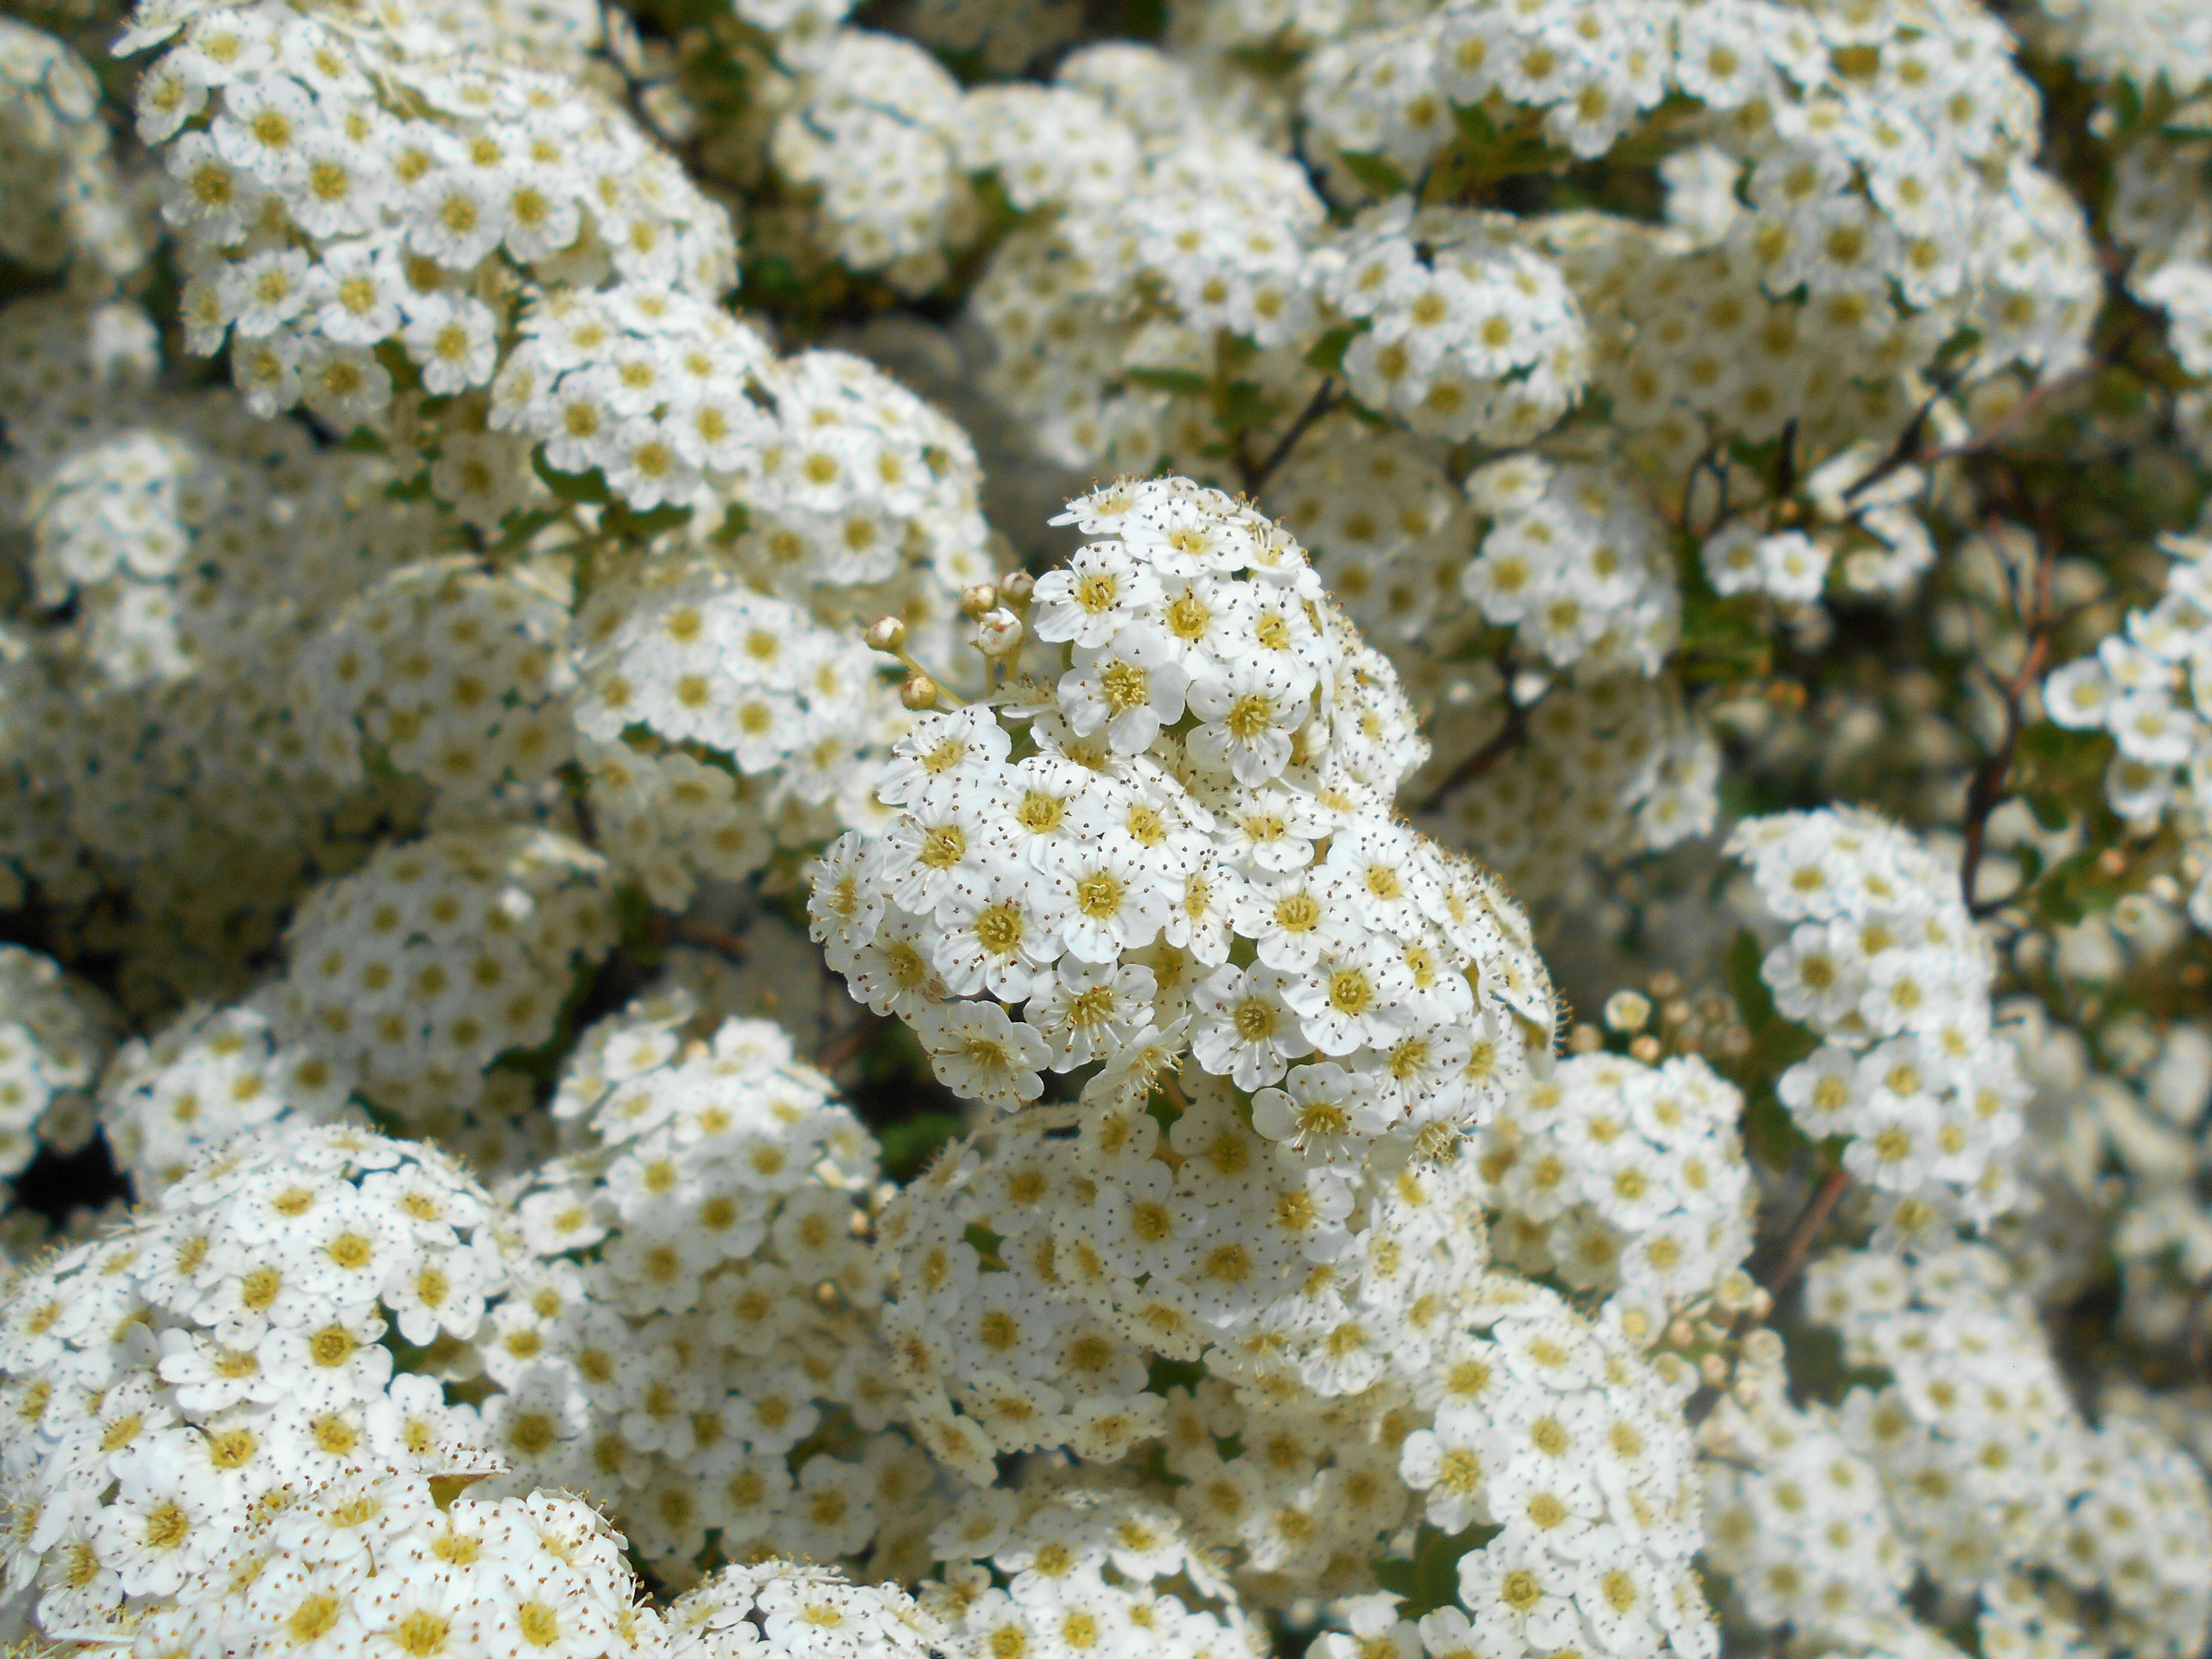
(1180, 381)
(620, 520)
(1246, 408)
(1328, 352)
(589, 487)
(1474, 125)
(1752, 1000)
(1378, 173)
(909, 1147)
(2051, 810)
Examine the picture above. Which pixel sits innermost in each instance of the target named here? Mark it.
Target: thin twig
(1256, 477)
(1810, 1220)
(1507, 739)
(1985, 789)
(720, 940)
(849, 1046)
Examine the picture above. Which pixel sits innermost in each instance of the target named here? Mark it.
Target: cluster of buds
(999, 609)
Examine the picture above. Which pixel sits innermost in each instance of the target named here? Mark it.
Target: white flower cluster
(2141, 686)
(1210, 766)
(1576, 563)
(1618, 1176)
(415, 972)
(2144, 40)
(178, 558)
(650, 384)
(339, 187)
(1102, 319)
(211, 1450)
(211, 1077)
(878, 138)
(64, 198)
(690, 1335)
(1466, 334)
(711, 714)
(56, 1033)
(791, 1610)
(1987, 1466)
(445, 670)
(207, 1433)
(1613, 767)
(1055, 1567)
(1883, 162)
(864, 502)
(1798, 1520)
(1383, 524)
(1881, 961)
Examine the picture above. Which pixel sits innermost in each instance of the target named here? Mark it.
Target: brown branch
(1907, 451)
(847, 1047)
(720, 940)
(1256, 477)
(1810, 1220)
(1507, 739)
(1985, 789)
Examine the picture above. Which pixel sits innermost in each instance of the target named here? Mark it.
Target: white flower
(980, 1054)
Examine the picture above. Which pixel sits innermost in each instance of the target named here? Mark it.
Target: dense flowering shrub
(1005, 830)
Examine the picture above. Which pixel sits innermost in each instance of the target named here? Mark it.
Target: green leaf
(1474, 125)
(1767, 1133)
(1328, 352)
(1180, 381)
(589, 487)
(2050, 812)
(1246, 408)
(1752, 1000)
(1429, 1579)
(620, 520)
(1378, 173)
(909, 1147)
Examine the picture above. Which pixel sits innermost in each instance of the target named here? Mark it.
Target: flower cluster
(1209, 767)
(1615, 1174)
(690, 1337)
(1462, 333)
(1576, 563)
(420, 969)
(65, 199)
(254, 1448)
(710, 713)
(211, 1077)
(1881, 961)
(2140, 687)
(1988, 1466)
(339, 188)
(56, 1033)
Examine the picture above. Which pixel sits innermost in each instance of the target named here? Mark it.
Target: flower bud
(920, 692)
(974, 601)
(885, 634)
(1714, 1369)
(1016, 588)
(999, 633)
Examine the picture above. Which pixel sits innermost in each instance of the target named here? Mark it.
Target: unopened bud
(920, 692)
(997, 633)
(983, 596)
(1679, 1335)
(1645, 1048)
(1016, 588)
(885, 634)
(1627, 1011)
(1713, 1369)
(1735, 1291)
